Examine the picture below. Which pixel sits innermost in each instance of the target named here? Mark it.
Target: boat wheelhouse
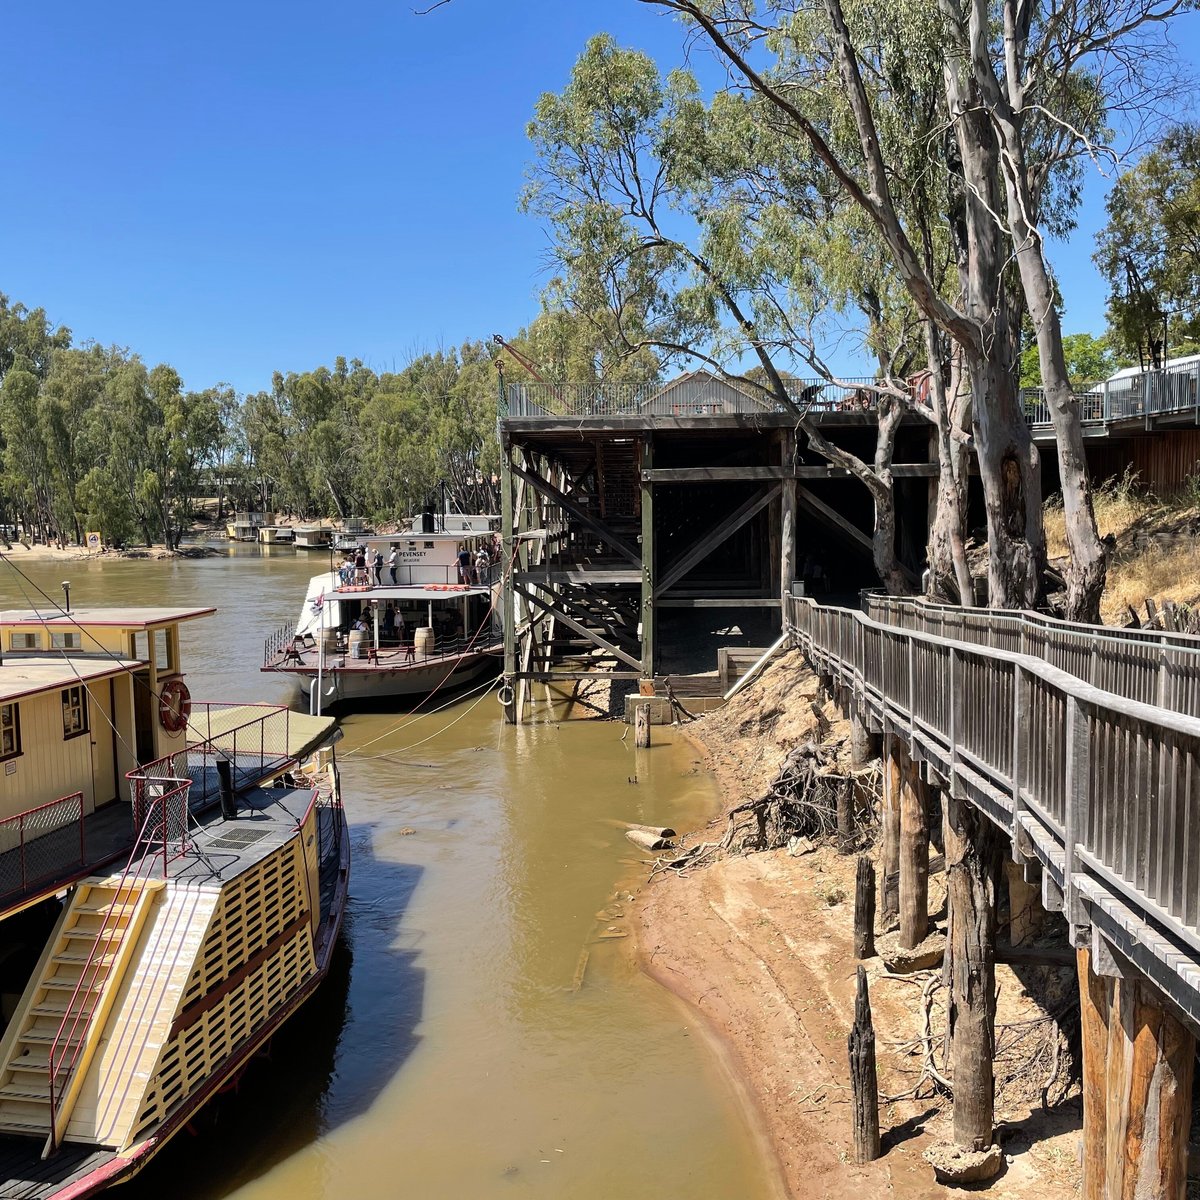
(179, 870)
(434, 625)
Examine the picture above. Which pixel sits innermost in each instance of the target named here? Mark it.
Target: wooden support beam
(914, 853)
(649, 620)
(570, 676)
(1148, 1094)
(972, 868)
(764, 473)
(724, 530)
(508, 610)
(864, 1086)
(889, 836)
(579, 627)
(831, 516)
(546, 489)
(718, 602)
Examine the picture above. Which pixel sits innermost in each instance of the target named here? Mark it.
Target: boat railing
(277, 643)
(254, 748)
(42, 844)
(162, 835)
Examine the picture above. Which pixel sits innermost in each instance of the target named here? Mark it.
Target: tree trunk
(864, 1084)
(949, 575)
(889, 822)
(1008, 461)
(914, 855)
(972, 864)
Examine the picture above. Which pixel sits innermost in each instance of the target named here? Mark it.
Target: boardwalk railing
(1103, 790)
(1138, 664)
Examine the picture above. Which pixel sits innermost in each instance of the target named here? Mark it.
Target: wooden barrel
(424, 641)
(358, 644)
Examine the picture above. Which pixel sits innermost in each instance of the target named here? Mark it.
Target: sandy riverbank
(21, 553)
(761, 946)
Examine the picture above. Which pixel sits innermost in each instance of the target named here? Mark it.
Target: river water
(484, 1032)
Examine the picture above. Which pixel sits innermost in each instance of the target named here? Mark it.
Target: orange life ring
(174, 705)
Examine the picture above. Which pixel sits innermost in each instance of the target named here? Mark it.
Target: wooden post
(1024, 905)
(1149, 1097)
(914, 855)
(889, 821)
(1095, 1003)
(864, 745)
(507, 599)
(864, 1084)
(649, 620)
(864, 908)
(972, 867)
(641, 726)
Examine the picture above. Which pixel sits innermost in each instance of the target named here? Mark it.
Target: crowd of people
(365, 568)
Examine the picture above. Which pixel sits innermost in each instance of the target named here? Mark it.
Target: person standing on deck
(464, 563)
(482, 563)
(377, 567)
(393, 559)
(360, 566)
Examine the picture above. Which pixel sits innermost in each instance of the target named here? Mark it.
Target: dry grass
(1119, 505)
(1163, 574)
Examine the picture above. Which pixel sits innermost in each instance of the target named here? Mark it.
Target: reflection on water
(482, 1033)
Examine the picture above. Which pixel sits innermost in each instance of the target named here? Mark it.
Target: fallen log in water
(648, 840)
(662, 831)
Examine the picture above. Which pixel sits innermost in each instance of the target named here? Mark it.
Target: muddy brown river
(484, 1032)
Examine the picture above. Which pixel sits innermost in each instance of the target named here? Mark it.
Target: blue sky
(240, 188)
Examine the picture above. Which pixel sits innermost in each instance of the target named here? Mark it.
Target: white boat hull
(399, 682)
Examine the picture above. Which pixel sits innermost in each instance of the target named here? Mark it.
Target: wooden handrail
(1102, 788)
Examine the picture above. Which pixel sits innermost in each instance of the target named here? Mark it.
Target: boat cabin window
(75, 711)
(10, 730)
(66, 641)
(24, 641)
(139, 646)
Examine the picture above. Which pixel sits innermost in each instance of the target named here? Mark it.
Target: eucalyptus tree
(703, 234)
(1029, 89)
(1149, 250)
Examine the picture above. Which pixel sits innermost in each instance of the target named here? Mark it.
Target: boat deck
(402, 657)
(221, 850)
(25, 1176)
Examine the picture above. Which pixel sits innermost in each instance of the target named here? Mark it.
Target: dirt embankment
(761, 945)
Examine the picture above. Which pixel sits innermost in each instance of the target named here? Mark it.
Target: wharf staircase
(98, 1009)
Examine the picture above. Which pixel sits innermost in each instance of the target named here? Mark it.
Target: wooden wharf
(1081, 744)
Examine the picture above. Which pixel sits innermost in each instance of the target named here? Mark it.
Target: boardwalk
(1101, 790)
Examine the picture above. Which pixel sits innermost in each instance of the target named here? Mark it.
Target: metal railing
(1150, 666)
(1104, 789)
(680, 398)
(42, 844)
(254, 748)
(431, 575)
(1174, 389)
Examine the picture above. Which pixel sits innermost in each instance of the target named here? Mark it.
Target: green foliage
(1090, 360)
(91, 438)
(1149, 251)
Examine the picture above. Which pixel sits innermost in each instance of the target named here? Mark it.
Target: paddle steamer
(173, 877)
(435, 628)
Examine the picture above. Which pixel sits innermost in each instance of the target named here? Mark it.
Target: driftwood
(662, 831)
(648, 841)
